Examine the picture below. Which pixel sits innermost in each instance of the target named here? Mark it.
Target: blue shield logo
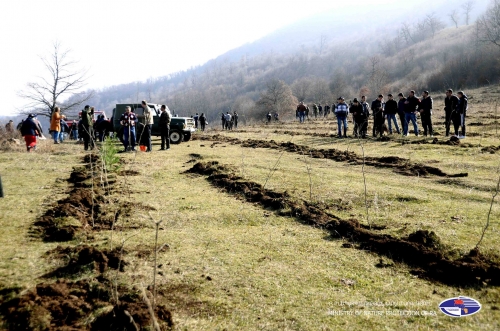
(460, 307)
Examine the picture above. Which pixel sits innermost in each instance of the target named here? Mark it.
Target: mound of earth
(65, 305)
(422, 250)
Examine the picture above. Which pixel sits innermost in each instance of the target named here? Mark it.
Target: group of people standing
(229, 121)
(406, 108)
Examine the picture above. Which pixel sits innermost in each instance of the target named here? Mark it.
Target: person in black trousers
(165, 128)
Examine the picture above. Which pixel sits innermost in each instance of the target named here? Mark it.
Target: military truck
(181, 128)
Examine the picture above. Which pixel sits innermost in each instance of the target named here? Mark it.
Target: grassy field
(231, 264)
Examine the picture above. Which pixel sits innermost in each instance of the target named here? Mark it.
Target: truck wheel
(176, 137)
(187, 136)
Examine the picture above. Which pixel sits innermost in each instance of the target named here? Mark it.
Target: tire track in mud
(397, 164)
(421, 250)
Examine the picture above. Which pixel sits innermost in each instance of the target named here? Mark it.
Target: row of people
(406, 108)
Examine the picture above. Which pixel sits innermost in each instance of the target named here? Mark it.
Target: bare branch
(62, 80)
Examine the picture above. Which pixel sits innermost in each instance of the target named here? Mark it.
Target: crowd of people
(406, 108)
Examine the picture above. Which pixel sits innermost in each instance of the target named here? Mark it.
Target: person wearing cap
(411, 106)
(378, 115)
(341, 111)
(425, 109)
(390, 110)
(450, 105)
(359, 118)
(29, 130)
(87, 127)
(55, 124)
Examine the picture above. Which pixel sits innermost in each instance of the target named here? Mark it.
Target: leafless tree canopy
(454, 17)
(468, 6)
(489, 24)
(277, 98)
(434, 23)
(62, 80)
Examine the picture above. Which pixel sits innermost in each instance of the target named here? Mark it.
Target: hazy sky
(120, 41)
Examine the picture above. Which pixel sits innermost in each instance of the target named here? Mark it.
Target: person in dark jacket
(87, 127)
(460, 113)
(196, 118)
(359, 118)
(450, 106)
(378, 116)
(411, 106)
(64, 129)
(235, 119)
(390, 110)
(401, 112)
(74, 130)
(29, 130)
(425, 109)
(164, 125)
(301, 112)
(223, 119)
(203, 121)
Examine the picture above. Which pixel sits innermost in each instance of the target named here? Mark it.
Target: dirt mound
(425, 238)
(422, 249)
(128, 172)
(84, 258)
(399, 165)
(82, 209)
(490, 149)
(67, 305)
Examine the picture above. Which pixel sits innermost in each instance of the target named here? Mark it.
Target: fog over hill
(346, 51)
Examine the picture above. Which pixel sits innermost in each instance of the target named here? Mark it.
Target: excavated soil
(80, 211)
(421, 250)
(399, 165)
(85, 257)
(65, 305)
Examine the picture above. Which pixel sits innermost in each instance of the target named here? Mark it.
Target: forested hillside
(320, 58)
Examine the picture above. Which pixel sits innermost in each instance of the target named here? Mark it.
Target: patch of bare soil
(65, 305)
(399, 165)
(421, 250)
(84, 258)
(83, 209)
(128, 172)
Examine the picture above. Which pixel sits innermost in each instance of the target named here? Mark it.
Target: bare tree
(454, 17)
(322, 43)
(434, 23)
(320, 90)
(63, 80)
(489, 24)
(278, 97)
(468, 6)
(302, 88)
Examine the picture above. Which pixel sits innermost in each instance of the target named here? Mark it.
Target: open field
(290, 228)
